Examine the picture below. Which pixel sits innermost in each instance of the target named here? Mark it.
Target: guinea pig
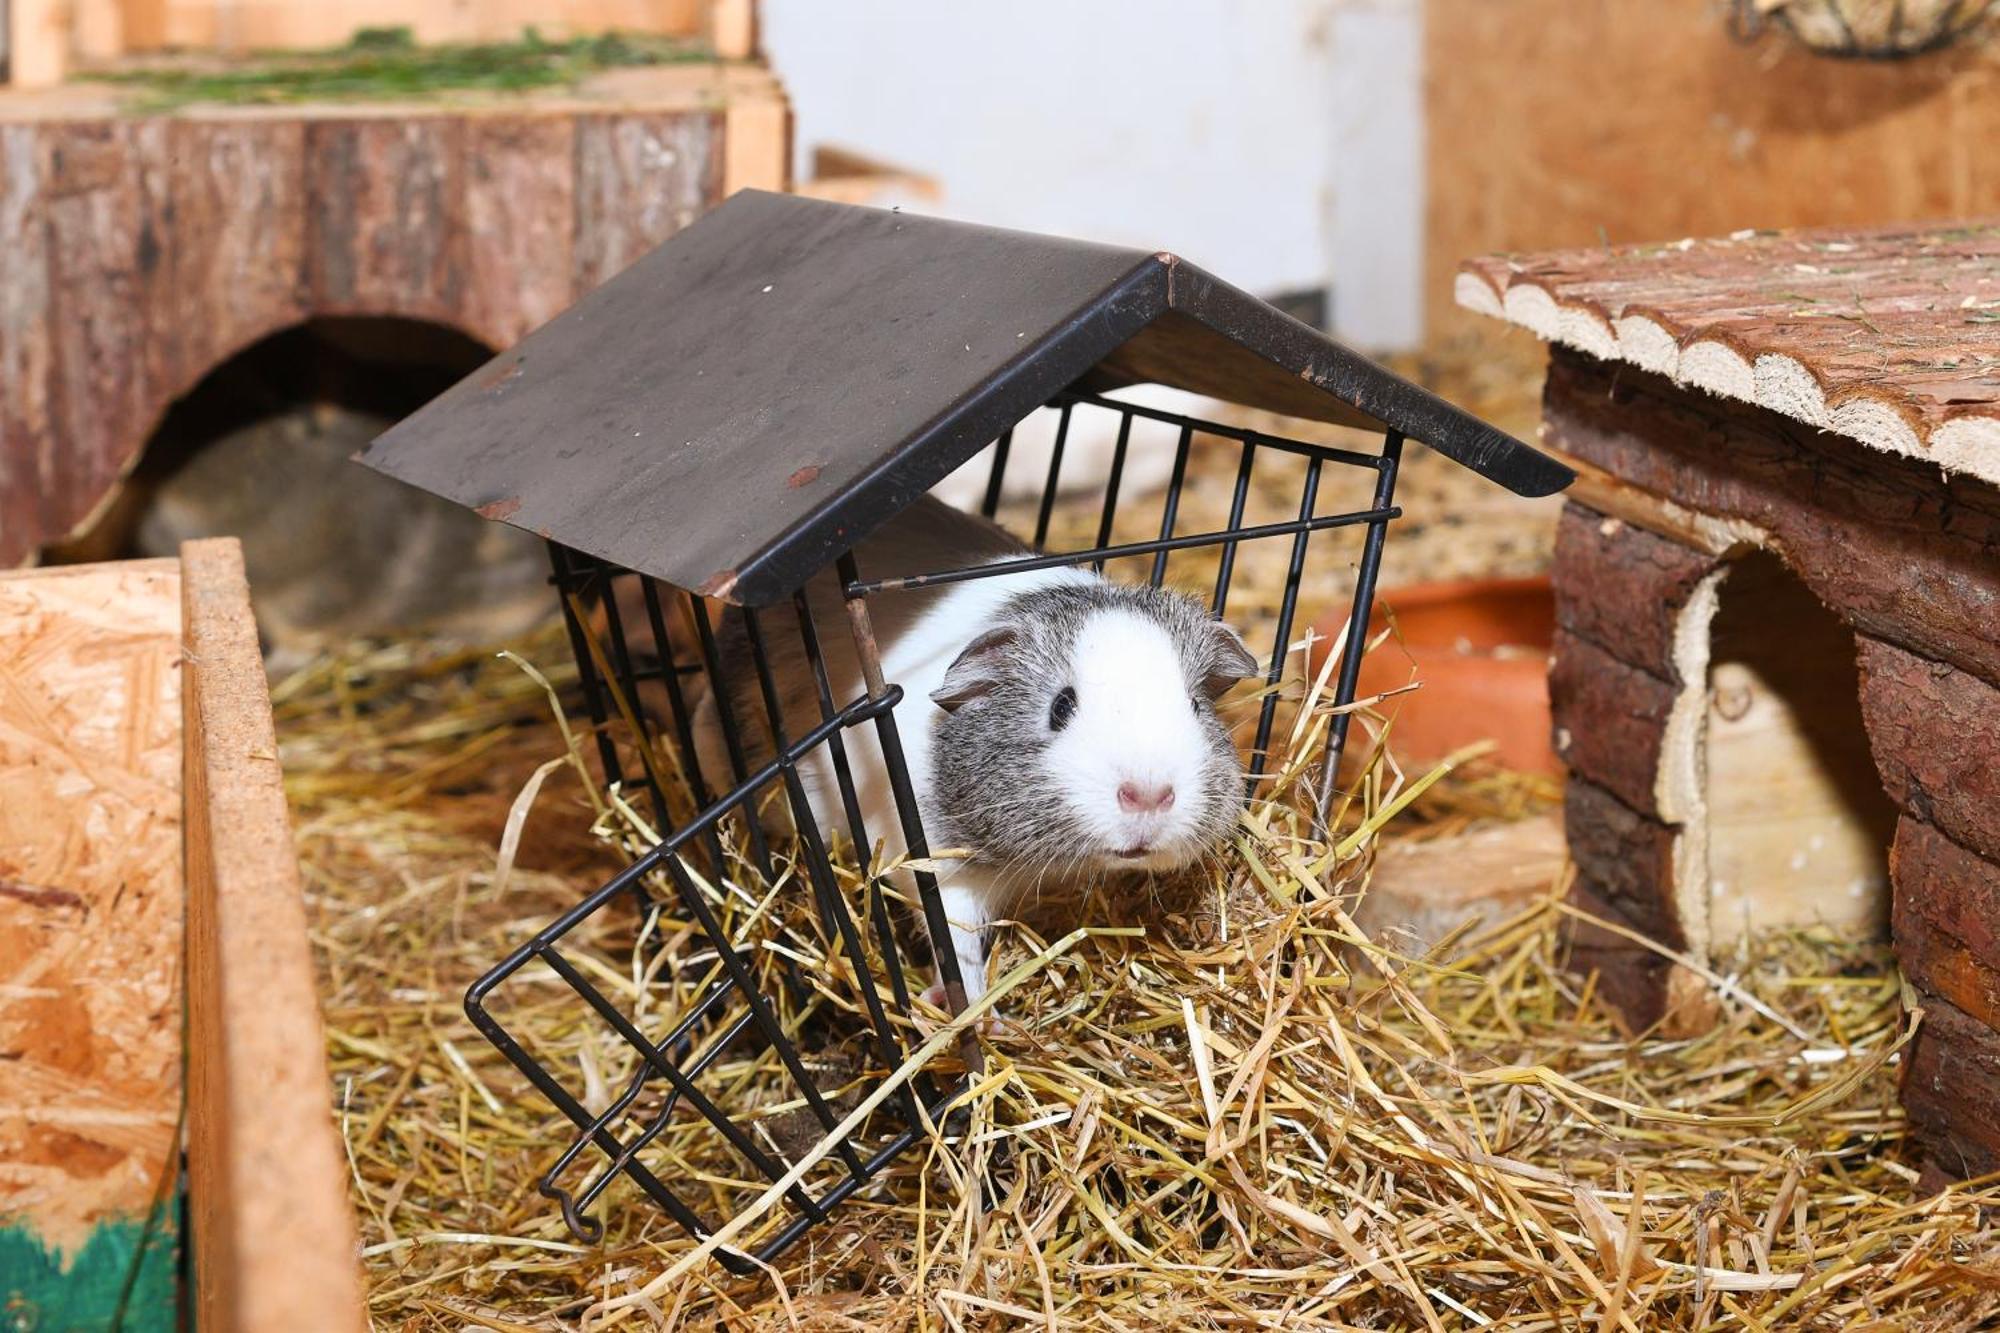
(1058, 728)
(1089, 446)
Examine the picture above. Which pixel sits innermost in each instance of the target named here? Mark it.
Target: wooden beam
(732, 29)
(37, 42)
(272, 1222)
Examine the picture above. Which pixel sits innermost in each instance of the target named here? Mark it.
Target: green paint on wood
(123, 1280)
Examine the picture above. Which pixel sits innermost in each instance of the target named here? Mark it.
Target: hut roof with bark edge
(1888, 335)
(762, 390)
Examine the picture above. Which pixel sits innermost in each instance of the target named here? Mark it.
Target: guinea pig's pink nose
(1137, 799)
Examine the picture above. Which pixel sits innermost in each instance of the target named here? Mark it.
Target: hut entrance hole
(261, 450)
(1798, 824)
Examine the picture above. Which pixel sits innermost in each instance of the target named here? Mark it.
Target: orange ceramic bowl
(1480, 649)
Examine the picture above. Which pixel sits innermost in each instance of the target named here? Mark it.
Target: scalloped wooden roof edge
(1787, 321)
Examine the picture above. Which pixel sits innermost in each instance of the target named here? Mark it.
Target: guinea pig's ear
(977, 670)
(1228, 661)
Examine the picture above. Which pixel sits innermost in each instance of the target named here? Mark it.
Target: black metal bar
(774, 722)
(1027, 564)
(1357, 628)
(1173, 505)
(683, 716)
(839, 921)
(1236, 502)
(623, 1162)
(670, 677)
(668, 1070)
(567, 580)
(621, 662)
(861, 710)
(1309, 496)
(990, 505)
(1324, 452)
(936, 924)
(1055, 474)
(851, 805)
(767, 1022)
(559, 1097)
(834, 919)
(732, 737)
(1111, 485)
(843, 772)
(682, 1037)
(844, 1187)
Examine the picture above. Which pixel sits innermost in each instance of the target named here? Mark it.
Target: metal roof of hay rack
(743, 404)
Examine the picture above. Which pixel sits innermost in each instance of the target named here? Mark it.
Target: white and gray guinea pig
(1058, 727)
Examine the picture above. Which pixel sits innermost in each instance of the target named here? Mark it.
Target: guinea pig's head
(1080, 732)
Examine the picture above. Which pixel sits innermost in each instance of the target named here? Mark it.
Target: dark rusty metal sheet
(747, 401)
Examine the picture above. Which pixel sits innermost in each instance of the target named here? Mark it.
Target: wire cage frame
(712, 833)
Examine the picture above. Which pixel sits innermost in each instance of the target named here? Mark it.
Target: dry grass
(1251, 1116)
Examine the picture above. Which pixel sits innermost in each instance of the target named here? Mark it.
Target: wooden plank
(756, 142)
(520, 210)
(1866, 336)
(1625, 858)
(384, 229)
(639, 179)
(1950, 1085)
(272, 1222)
(731, 28)
(277, 25)
(90, 932)
(1421, 892)
(1644, 122)
(1900, 551)
(37, 42)
(97, 30)
(1622, 587)
(1597, 489)
(236, 244)
(102, 256)
(1610, 720)
(1936, 738)
(1948, 920)
(27, 341)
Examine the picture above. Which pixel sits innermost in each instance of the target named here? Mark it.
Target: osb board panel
(273, 1226)
(1889, 335)
(141, 252)
(90, 895)
(1554, 123)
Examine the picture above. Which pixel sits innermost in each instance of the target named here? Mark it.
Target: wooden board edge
(273, 1232)
(757, 141)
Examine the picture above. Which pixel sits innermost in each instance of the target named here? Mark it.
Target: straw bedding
(1248, 1115)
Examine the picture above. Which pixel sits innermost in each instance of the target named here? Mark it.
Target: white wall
(1275, 143)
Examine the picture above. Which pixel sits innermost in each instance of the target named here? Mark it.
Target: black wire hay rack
(705, 441)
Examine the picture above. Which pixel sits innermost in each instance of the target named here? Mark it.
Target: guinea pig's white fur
(1141, 720)
(1088, 447)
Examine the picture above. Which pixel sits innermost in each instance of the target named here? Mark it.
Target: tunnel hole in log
(261, 449)
(1798, 824)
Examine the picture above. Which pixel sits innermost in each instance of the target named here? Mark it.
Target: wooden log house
(146, 247)
(1776, 681)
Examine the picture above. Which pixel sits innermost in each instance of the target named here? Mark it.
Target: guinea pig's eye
(1195, 701)
(1062, 708)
